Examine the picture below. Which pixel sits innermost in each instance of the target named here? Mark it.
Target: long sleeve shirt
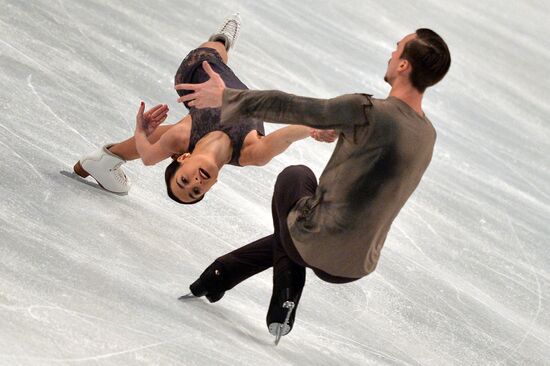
(383, 150)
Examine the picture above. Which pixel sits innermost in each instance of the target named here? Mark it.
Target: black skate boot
(284, 301)
(210, 283)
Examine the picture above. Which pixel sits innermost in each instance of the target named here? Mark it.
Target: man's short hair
(168, 175)
(429, 57)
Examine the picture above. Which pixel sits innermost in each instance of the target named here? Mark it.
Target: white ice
(88, 277)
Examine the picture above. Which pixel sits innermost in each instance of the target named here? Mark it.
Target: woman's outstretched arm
(275, 143)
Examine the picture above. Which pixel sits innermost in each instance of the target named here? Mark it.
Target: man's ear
(404, 66)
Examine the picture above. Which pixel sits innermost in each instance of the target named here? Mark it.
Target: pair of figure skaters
(336, 227)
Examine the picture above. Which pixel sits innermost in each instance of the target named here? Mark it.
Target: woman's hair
(429, 56)
(168, 175)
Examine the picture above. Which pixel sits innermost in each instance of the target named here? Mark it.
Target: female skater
(198, 144)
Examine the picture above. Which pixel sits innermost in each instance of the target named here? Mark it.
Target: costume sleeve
(278, 107)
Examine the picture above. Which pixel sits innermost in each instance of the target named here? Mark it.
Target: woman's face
(195, 176)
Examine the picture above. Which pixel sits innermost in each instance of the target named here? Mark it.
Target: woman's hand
(150, 120)
(323, 135)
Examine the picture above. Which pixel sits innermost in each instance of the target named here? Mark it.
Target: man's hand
(323, 135)
(205, 95)
(150, 120)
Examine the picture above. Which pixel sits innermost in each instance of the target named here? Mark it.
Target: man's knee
(296, 174)
(293, 183)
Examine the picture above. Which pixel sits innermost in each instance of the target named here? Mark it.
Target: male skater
(337, 228)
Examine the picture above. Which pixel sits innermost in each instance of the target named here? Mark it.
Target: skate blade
(278, 330)
(188, 296)
(95, 185)
(282, 329)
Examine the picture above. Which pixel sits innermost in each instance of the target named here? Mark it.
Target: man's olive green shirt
(384, 148)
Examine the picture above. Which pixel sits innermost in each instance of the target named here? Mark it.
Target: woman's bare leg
(218, 46)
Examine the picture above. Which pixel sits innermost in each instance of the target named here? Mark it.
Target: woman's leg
(191, 70)
(218, 46)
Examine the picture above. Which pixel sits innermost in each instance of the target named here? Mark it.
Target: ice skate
(284, 301)
(228, 32)
(105, 168)
(281, 329)
(209, 284)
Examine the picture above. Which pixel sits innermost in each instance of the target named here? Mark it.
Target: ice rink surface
(92, 278)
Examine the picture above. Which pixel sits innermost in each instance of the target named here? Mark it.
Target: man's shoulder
(371, 101)
(363, 98)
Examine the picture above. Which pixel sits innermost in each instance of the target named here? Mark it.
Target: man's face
(195, 176)
(395, 63)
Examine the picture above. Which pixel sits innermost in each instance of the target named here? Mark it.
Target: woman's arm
(146, 123)
(261, 152)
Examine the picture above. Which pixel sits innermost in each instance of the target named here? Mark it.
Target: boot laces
(118, 173)
(231, 28)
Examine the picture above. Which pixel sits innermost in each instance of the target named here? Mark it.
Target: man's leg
(289, 272)
(275, 250)
(231, 269)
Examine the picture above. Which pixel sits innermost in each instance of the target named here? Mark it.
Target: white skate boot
(105, 168)
(229, 31)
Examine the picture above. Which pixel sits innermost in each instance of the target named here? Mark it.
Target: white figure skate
(105, 168)
(228, 32)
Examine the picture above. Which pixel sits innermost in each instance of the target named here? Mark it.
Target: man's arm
(278, 107)
(275, 106)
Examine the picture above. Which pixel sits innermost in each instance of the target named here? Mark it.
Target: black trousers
(277, 250)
